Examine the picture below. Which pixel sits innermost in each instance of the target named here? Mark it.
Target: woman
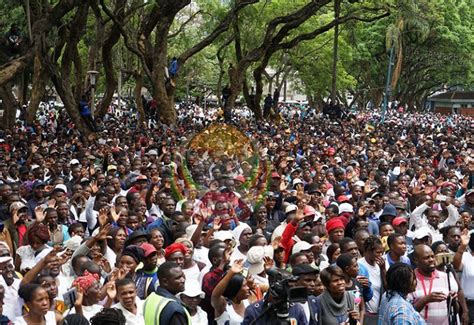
(350, 267)
(333, 252)
(191, 268)
(336, 305)
(49, 284)
(375, 264)
(397, 246)
(27, 256)
(115, 244)
(88, 290)
(157, 240)
(37, 300)
(395, 309)
(242, 233)
(229, 298)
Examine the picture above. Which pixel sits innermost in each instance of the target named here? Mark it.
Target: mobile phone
(70, 298)
(441, 198)
(244, 272)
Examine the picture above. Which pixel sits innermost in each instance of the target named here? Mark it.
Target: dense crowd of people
(309, 219)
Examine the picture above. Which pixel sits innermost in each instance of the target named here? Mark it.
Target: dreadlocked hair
(400, 278)
(372, 242)
(109, 316)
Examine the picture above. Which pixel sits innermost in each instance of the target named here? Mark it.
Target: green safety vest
(153, 307)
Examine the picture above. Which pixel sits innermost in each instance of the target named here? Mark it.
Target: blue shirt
(396, 310)
(296, 313)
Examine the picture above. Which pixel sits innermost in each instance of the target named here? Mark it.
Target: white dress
(230, 316)
(50, 318)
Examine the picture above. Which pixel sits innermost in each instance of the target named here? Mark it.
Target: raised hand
(103, 233)
(103, 216)
(79, 297)
(111, 290)
(39, 213)
(268, 262)
(237, 267)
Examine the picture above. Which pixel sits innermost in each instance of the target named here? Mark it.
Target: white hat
(5, 259)
(297, 181)
(237, 232)
(255, 258)
(290, 208)
(421, 233)
(359, 183)
(74, 162)
(301, 246)
(338, 160)
(61, 187)
(152, 152)
(346, 207)
(224, 235)
(73, 243)
(192, 289)
(190, 231)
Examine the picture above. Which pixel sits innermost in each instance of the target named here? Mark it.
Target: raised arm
(218, 302)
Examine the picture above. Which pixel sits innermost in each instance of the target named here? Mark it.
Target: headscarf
(175, 247)
(135, 252)
(86, 281)
(239, 230)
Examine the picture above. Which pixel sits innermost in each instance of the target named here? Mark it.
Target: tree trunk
(9, 106)
(236, 77)
(138, 99)
(38, 88)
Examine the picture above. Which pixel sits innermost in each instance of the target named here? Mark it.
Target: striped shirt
(435, 313)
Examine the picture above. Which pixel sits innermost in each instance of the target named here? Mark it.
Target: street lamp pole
(92, 78)
(388, 89)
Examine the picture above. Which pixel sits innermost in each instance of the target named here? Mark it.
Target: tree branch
(181, 28)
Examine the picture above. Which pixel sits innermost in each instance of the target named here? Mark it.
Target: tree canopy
(232, 42)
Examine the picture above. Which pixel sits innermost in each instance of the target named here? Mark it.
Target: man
(307, 277)
(163, 307)
(12, 307)
(431, 218)
(130, 305)
(432, 289)
(38, 197)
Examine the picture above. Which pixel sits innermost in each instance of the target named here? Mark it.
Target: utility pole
(388, 88)
(337, 9)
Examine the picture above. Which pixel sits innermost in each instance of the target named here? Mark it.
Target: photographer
(265, 311)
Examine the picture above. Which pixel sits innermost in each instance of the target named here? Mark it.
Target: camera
(283, 293)
(444, 258)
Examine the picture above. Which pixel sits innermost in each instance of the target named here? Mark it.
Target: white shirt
(12, 302)
(467, 275)
(237, 255)
(375, 279)
(50, 319)
(192, 273)
(200, 318)
(133, 319)
(87, 311)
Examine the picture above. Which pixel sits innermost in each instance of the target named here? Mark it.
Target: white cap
(346, 207)
(290, 208)
(359, 183)
(421, 233)
(74, 162)
(297, 181)
(192, 289)
(73, 243)
(152, 152)
(255, 257)
(61, 187)
(224, 235)
(301, 246)
(338, 159)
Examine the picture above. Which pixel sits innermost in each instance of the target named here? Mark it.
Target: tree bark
(38, 87)
(9, 106)
(138, 99)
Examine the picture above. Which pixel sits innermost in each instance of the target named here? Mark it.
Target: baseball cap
(18, 205)
(421, 233)
(192, 289)
(38, 184)
(152, 152)
(301, 246)
(148, 249)
(60, 187)
(290, 208)
(74, 162)
(275, 175)
(398, 221)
